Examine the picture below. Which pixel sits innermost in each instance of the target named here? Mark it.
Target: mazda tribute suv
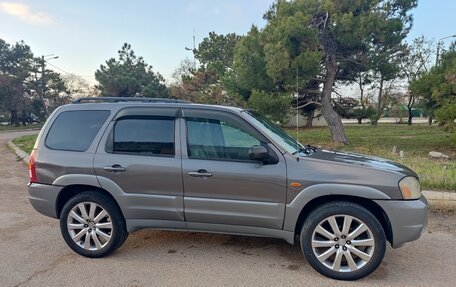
(109, 166)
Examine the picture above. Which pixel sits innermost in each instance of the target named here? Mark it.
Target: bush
(398, 111)
(446, 115)
(365, 113)
(275, 106)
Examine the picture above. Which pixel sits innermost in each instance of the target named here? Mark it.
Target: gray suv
(109, 166)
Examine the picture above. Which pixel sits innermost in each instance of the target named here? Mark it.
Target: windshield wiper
(307, 149)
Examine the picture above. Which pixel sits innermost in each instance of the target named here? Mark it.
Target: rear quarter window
(75, 130)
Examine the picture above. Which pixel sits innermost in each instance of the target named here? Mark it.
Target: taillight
(32, 167)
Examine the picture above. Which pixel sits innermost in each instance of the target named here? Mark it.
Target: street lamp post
(438, 47)
(193, 50)
(45, 58)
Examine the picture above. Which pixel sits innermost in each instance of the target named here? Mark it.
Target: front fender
(294, 208)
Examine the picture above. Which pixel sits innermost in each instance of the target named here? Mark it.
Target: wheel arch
(373, 207)
(72, 190)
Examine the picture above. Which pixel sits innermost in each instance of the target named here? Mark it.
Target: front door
(221, 184)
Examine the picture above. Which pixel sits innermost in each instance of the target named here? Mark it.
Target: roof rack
(126, 99)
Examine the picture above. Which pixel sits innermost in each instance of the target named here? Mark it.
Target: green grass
(19, 128)
(416, 141)
(26, 142)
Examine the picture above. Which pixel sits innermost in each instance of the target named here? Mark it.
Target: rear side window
(149, 136)
(75, 130)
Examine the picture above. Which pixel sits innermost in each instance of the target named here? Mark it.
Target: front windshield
(275, 132)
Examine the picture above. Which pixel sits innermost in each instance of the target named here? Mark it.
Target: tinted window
(235, 137)
(153, 136)
(216, 139)
(75, 130)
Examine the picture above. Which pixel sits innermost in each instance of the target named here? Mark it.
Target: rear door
(222, 185)
(139, 154)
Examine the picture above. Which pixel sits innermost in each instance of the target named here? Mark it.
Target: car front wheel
(343, 240)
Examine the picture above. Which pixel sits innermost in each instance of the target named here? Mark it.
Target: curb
(441, 200)
(21, 155)
(438, 200)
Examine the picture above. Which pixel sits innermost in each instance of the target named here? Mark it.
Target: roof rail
(126, 99)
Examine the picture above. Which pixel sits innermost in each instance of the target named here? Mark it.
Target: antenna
(297, 108)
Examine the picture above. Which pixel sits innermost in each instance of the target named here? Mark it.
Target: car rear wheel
(343, 240)
(92, 225)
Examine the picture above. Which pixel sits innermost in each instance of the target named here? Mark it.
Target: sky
(84, 34)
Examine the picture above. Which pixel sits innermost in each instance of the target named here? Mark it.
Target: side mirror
(258, 153)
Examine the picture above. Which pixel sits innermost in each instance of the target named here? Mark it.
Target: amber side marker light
(295, 184)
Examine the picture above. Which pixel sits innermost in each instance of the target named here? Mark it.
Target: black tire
(122, 239)
(340, 208)
(118, 232)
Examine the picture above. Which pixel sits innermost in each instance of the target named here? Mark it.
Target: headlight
(410, 187)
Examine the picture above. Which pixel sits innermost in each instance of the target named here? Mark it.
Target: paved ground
(5, 136)
(33, 253)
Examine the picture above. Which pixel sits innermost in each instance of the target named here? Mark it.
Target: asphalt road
(33, 253)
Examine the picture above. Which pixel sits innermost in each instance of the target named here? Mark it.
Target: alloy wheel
(343, 243)
(89, 226)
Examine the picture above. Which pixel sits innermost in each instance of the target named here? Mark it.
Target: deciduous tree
(416, 62)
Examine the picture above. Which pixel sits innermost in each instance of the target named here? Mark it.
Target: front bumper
(43, 198)
(408, 219)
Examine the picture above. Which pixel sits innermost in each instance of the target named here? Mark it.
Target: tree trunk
(330, 47)
(380, 95)
(361, 90)
(430, 118)
(361, 98)
(310, 117)
(379, 103)
(409, 107)
(23, 118)
(331, 117)
(410, 116)
(14, 118)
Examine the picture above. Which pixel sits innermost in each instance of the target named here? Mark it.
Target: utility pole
(43, 80)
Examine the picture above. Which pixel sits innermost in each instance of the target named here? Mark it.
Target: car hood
(362, 160)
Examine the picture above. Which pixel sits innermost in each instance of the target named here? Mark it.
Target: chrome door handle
(115, 168)
(200, 173)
